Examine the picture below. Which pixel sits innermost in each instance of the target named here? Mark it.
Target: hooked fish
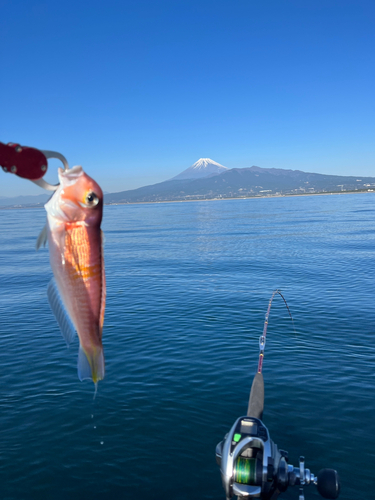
(77, 292)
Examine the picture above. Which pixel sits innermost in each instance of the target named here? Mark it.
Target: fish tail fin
(91, 366)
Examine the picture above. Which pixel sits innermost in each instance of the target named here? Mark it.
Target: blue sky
(137, 91)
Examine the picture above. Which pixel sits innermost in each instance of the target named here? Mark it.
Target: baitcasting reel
(251, 464)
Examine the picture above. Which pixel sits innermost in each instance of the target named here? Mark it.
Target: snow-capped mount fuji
(204, 167)
(208, 180)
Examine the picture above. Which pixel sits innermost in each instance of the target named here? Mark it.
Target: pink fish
(77, 292)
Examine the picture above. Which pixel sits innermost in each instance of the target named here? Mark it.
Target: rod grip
(256, 400)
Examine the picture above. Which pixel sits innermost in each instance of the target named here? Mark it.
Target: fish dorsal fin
(42, 238)
(66, 326)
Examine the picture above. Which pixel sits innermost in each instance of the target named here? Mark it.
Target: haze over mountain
(22, 201)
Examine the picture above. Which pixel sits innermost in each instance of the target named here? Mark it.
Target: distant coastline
(257, 197)
(291, 195)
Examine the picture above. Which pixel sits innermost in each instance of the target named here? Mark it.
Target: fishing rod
(262, 339)
(251, 464)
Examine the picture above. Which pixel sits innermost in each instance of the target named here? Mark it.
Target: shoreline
(289, 195)
(262, 197)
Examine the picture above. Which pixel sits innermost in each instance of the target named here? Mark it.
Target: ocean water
(188, 286)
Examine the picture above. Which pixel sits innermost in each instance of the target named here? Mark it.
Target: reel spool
(244, 471)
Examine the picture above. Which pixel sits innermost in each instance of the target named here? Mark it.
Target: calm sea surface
(188, 286)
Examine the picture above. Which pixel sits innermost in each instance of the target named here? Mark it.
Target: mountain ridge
(244, 182)
(225, 183)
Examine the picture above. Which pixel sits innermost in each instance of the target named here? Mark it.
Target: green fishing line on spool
(244, 470)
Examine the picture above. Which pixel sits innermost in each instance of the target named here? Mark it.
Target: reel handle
(328, 483)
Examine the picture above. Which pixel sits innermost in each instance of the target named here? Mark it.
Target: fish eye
(91, 199)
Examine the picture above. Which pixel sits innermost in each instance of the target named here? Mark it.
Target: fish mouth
(69, 177)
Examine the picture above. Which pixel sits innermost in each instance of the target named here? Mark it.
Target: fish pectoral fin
(42, 238)
(66, 326)
(92, 369)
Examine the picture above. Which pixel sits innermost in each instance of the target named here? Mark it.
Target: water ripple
(188, 288)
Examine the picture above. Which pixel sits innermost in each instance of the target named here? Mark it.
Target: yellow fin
(91, 367)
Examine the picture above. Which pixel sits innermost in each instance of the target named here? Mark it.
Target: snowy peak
(206, 162)
(204, 167)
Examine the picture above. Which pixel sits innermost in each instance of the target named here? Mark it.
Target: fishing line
(245, 470)
(262, 340)
(93, 418)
